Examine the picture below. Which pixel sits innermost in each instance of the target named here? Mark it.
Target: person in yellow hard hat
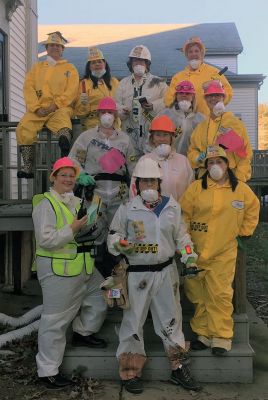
(222, 127)
(139, 97)
(176, 169)
(197, 72)
(96, 84)
(50, 89)
(217, 208)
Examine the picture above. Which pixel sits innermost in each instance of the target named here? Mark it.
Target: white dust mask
(195, 64)
(219, 109)
(107, 120)
(184, 105)
(98, 74)
(163, 150)
(139, 70)
(149, 195)
(216, 172)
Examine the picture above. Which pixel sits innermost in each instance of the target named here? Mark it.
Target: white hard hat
(147, 168)
(141, 52)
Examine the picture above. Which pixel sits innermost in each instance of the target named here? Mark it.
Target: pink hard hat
(107, 103)
(213, 87)
(64, 162)
(185, 87)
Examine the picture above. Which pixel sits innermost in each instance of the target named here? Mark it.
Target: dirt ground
(18, 378)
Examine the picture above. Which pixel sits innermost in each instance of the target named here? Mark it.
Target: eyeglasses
(67, 176)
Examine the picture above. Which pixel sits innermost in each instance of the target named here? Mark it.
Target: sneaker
(218, 351)
(133, 385)
(182, 376)
(197, 345)
(88, 341)
(56, 382)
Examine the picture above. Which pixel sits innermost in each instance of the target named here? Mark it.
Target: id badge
(114, 293)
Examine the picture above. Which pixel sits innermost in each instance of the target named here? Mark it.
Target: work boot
(65, 137)
(182, 376)
(198, 345)
(133, 385)
(56, 382)
(88, 341)
(27, 153)
(218, 351)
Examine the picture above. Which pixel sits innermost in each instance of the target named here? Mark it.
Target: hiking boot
(133, 385)
(182, 376)
(218, 351)
(88, 341)
(27, 154)
(56, 382)
(65, 137)
(197, 345)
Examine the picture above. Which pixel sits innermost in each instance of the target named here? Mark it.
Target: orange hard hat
(162, 123)
(195, 40)
(64, 162)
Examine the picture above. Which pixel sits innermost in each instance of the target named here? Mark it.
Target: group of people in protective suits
(166, 169)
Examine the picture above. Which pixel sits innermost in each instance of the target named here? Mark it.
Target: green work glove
(191, 261)
(126, 249)
(85, 179)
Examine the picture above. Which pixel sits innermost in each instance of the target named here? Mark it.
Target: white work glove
(84, 100)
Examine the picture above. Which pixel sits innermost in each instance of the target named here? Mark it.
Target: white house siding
(23, 53)
(244, 105)
(223, 61)
(17, 70)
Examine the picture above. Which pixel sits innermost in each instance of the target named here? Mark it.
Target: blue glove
(201, 156)
(85, 179)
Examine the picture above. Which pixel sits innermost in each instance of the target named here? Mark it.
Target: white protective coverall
(185, 124)
(127, 94)
(86, 152)
(215, 217)
(62, 296)
(177, 174)
(156, 234)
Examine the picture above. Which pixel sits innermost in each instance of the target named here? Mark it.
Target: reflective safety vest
(66, 261)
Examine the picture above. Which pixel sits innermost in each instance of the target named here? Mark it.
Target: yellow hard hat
(56, 38)
(195, 40)
(95, 54)
(215, 151)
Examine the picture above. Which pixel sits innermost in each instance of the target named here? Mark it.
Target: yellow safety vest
(65, 261)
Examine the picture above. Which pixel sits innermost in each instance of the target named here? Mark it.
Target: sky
(250, 17)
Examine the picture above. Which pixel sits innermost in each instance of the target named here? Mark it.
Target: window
(3, 88)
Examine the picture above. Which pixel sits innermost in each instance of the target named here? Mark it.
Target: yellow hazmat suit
(215, 217)
(46, 84)
(203, 74)
(88, 112)
(205, 134)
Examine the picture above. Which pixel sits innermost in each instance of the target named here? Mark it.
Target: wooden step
(111, 327)
(236, 366)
